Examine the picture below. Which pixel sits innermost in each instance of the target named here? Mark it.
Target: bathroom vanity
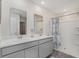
(37, 47)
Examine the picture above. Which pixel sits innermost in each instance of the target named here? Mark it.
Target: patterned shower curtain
(55, 33)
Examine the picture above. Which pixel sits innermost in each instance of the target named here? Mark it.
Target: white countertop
(15, 41)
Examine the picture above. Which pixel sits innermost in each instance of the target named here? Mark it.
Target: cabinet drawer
(15, 55)
(30, 44)
(45, 40)
(12, 49)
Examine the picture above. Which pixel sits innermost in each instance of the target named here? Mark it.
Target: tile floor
(57, 54)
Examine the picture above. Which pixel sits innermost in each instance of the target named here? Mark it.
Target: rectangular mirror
(18, 22)
(38, 24)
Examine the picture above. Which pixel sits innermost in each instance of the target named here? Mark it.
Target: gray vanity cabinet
(19, 54)
(26, 50)
(35, 49)
(45, 49)
(31, 52)
(13, 51)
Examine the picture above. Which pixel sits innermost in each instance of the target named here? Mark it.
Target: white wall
(30, 8)
(0, 19)
(68, 24)
(69, 34)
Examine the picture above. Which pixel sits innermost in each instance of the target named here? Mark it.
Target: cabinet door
(45, 49)
(31, 52)
(50, 45)
(16, 55)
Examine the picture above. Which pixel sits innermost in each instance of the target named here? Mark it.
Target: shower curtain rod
(69, 14)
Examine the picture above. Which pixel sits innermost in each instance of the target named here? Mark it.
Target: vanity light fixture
(42, 2)
(65, 10)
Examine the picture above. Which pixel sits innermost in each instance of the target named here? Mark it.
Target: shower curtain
(55, 33)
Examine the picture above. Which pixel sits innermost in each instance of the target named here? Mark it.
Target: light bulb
(42, 2)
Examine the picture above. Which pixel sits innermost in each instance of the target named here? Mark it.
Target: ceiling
(58, 5)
